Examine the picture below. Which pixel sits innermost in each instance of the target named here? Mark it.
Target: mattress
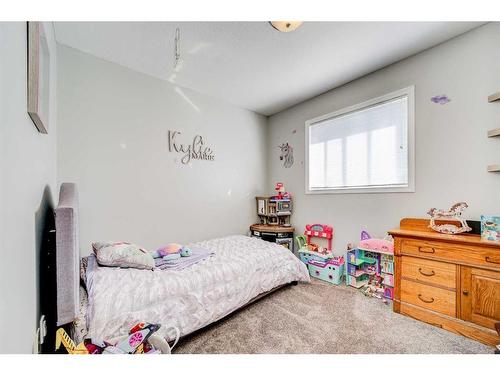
(241, 269)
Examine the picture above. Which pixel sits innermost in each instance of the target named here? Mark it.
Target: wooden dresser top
(419, 228)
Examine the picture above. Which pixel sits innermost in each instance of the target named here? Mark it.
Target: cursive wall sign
(195, 150)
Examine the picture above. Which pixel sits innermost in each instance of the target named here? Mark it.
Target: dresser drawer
(428, 297)
(429, 271)
(456, 253)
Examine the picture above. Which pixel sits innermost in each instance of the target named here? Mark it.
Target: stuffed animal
(173, 256)
(172, 251)
(186, 251)
(171, 248)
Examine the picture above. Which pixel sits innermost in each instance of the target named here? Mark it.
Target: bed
(241, 270)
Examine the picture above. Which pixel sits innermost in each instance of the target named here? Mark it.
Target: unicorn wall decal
(286, 154)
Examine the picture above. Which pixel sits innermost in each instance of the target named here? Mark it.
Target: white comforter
(242, 268)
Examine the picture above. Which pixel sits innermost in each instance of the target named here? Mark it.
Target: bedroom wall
(452, 150)
(27, 187)
(112, 142)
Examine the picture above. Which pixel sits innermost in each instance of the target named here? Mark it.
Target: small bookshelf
(494, 132)
(274, 210)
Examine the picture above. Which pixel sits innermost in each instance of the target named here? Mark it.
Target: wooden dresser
(450, 281)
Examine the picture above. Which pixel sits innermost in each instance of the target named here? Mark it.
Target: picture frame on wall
(38, 76)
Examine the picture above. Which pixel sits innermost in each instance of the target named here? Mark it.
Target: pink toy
(281, 193)
(368, 243)
(320, 231)
(280, 189)
(171, 248)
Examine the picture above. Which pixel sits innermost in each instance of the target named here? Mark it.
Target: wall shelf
(494, 132)
(494, 97)
(494, 168)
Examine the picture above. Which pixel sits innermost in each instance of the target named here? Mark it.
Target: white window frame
(409, 92)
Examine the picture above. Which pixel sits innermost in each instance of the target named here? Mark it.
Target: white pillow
(122, 254)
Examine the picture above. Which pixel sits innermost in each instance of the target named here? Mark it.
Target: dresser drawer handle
(430, 250)
(425, 300)
(489, 260)
(432, 273)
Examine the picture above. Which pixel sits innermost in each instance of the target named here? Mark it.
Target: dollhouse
(274, 226)
(274, 211)
(371, 267)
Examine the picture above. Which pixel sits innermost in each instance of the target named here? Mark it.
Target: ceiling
(250, 64)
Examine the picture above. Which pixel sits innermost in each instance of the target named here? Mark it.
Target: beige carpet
(322, 318)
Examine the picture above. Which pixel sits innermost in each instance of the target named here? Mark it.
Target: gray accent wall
(452, 149)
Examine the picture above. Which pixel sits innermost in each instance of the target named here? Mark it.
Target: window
(367, 148)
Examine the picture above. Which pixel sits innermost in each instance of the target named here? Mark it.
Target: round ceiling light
(286, 26)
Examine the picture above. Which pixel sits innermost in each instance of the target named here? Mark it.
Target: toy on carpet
(63, 338)
(142, 339)
(320, 261)
(172, 252)
(374, 288)
(370, 267)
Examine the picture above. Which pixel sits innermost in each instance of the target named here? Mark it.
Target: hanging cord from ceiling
(177, 48)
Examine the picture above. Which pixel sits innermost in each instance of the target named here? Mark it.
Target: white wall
(452, 150)
(27, 168)
(112, 142)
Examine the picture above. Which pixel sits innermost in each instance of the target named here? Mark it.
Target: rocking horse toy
(454, 213)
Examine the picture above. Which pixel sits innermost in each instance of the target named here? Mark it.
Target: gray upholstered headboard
(67, 254)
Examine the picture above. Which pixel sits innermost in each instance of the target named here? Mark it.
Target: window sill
(362, 190)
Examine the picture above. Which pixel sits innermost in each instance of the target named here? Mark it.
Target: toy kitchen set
(274, 214)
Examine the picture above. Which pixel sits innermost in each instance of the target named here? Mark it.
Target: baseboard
(463, 328)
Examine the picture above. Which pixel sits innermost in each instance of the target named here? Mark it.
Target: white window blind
(363, 147)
